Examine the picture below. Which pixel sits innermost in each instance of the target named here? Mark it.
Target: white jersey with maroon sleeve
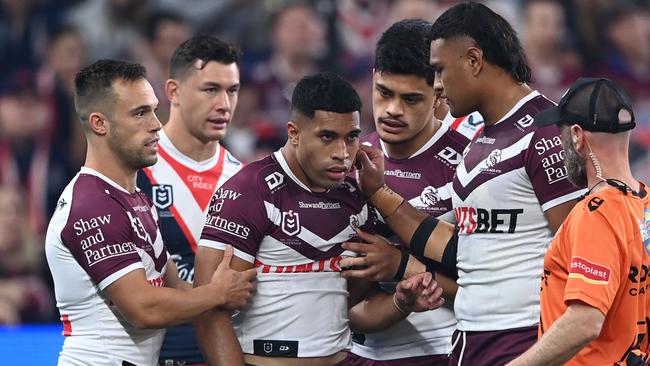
(99, 233)
(424, 179)
(510, 175)
(293, 237)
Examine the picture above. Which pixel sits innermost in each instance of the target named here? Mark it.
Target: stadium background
(44, 43)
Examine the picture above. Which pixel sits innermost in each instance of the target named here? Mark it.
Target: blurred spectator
(626, 58)
(27, 156)
(298, 39)
(66, 54)
(359, 23)
(111, 28)
(428, 10)
(23, 36)
(165, 31)
(545, 39)
(23, 294)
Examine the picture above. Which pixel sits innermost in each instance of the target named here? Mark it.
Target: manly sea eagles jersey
(424, 179)
(181, 189)
(509, 176)
(292, 236)
(99, 233)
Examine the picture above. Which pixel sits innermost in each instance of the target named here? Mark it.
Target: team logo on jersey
(494, 158)
(430, 196)
(290, 223)
(162, 196)
(274, 180)
(354, 222)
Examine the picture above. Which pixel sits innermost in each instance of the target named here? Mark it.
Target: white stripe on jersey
(560, 200)
(222, 246)
(117, 275)
(275, 216)
(510, 152)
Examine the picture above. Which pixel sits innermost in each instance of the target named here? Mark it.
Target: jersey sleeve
(100, 238)
(546, 170)
(595, 260)
(236, 216)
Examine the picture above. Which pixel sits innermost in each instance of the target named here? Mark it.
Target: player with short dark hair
(192, 164)
(287, 215)
(420, 157)
(204, 48)
(510, 192)
(115, 285)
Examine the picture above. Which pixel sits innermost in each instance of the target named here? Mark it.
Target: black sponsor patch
(594, 203)
(275, 348)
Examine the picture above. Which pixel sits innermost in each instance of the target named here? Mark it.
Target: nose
(437, 87)
(156, 125)
(223, 102)
(340, 151)
(395, 108)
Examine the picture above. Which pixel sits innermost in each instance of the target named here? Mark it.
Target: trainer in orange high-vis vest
(601, 257)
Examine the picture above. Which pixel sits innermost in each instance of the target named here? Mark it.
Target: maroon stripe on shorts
(493, 348)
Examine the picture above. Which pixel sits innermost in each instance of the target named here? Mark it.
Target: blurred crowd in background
(44, 43)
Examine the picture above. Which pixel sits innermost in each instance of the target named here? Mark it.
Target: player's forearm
(566, 337)
(164, 307)
(375, 313)
(217, 339)
(405, 220)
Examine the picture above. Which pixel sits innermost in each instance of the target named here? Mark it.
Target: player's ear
(475, 60)
(293, 132)
(97, 123)
(171, 91)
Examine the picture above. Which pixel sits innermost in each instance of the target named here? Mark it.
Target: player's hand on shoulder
(418, 293)
(370, 163)
(378, 259)
(236, 287)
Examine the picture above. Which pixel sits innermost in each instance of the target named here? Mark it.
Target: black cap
(595, 104)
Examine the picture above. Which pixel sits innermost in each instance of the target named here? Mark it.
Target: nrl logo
(162, 196)
(430, 196)
(290, 223)
(268, 347)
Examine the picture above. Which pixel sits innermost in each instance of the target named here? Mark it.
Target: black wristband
(402, 265)
(422, 234)
(432, 269)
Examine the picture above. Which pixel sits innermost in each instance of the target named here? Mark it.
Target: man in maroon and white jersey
(510, 192)
(287, 215)
(420, 158)
(114, 282)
